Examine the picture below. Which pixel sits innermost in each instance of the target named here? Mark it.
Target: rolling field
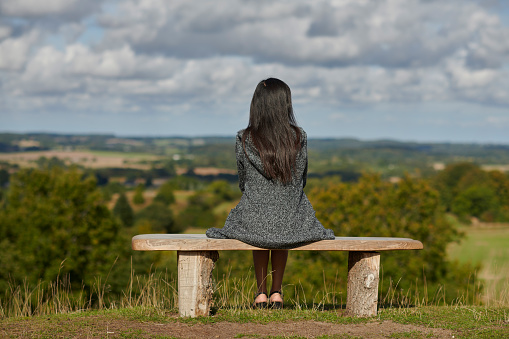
(488, 245)
(90, 159)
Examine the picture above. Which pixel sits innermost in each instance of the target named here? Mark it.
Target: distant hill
(389, 157)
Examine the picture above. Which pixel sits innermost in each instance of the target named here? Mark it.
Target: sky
(408, 70)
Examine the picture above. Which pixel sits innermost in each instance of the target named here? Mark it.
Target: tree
(475, 201)
(102, 179)
(169, 167)
(410, 209)
(159, 216)
(112, 188)
(182, 182)
(197, 216)
(448, 180)
(55, 222)
(138, 198)
(199, 211)
(44, 162)
(468, 191)
(223, 191)
(165, 194)
(501, 183)
(4, 177)
(123, 210)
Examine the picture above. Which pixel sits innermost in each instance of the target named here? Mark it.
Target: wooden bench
(197, 254)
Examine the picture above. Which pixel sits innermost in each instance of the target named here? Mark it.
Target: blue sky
(411, 70)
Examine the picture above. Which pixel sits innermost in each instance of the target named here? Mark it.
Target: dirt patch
(102, 327)
(501, 168)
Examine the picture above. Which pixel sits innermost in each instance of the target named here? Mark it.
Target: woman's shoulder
(303, 135)
(240, 134)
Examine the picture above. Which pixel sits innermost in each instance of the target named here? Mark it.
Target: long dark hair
(273, 129)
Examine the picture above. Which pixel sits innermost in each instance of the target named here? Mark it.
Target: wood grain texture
(195, 282)
(200, 242)
(362, 286)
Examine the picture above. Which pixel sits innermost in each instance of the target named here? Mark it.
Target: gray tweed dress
(271, 215)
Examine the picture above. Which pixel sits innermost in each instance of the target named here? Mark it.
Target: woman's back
(271, 214)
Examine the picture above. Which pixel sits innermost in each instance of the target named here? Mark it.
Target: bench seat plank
(200, 242)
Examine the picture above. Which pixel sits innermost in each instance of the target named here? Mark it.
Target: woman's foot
(276, 300)
(260, 300)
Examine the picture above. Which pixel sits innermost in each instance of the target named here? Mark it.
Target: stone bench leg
(195, 282)
(362, 288)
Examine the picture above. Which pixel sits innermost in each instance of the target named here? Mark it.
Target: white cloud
(500, 121)
(486, 85)
(5, 31)
(14, 51)
(71, 9)
(396, 33)
(164, 56)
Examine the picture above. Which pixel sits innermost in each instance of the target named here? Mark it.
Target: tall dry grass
(45, 298)
(158, 290)
(497, 285)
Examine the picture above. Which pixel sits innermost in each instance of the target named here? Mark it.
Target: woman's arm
(305, 155)
(239, 153)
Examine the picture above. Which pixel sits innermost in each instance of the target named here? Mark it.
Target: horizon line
(127, 136)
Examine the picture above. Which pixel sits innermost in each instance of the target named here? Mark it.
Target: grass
(153, 299)
(135, 322)
(159, 291)
(483, 245)
(148, 309)
(487, 245)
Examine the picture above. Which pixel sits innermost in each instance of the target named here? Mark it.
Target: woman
(274, 212)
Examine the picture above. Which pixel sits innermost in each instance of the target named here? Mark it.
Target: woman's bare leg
(278, 260)
(261, 261)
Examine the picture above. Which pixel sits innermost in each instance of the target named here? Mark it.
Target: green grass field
(487, 245)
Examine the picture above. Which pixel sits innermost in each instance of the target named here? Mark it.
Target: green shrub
(54, 222)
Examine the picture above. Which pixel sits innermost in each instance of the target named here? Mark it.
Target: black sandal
(276, 304)
(262, 304)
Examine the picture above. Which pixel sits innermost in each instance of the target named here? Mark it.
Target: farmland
(89, 159)
(487, 245)
(344, 157)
